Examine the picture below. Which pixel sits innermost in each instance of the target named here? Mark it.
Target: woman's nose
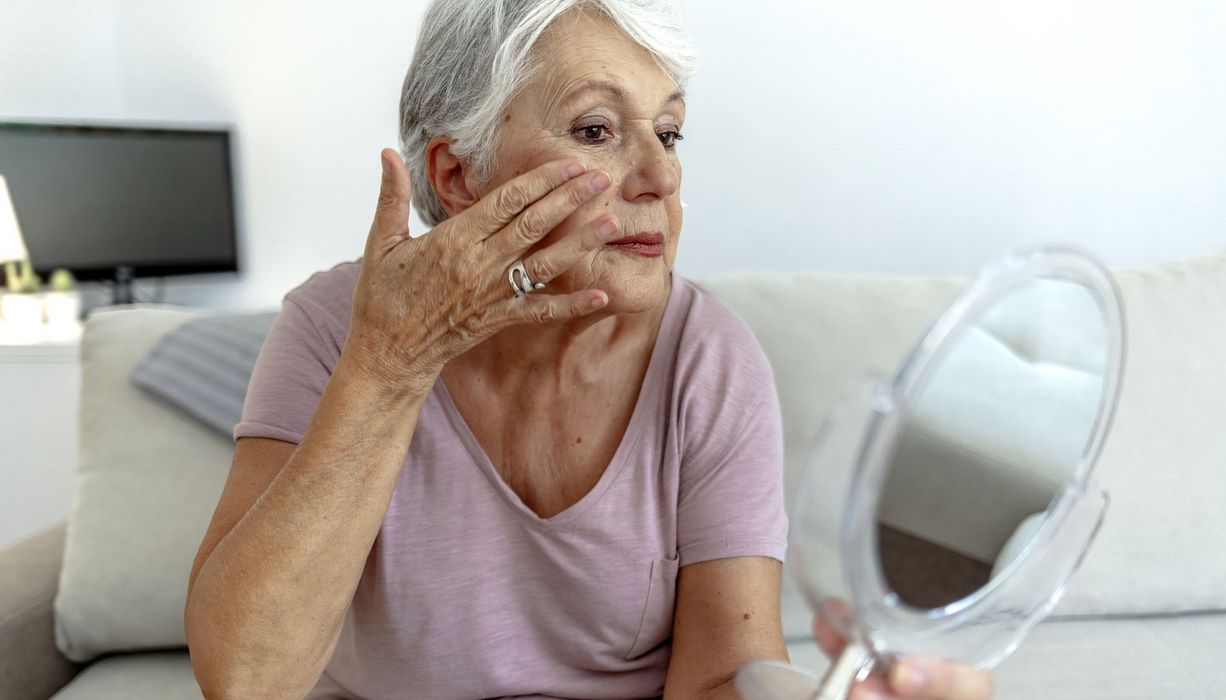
(653, 172)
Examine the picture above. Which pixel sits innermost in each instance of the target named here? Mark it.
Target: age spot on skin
(578, 440)
(746, 616)
(401, 266)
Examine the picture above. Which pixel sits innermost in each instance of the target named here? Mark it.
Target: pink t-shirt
(467, 593)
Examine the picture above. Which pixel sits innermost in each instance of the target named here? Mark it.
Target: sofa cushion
(203, 366)
(147, 481)
(1127, 659)
(1162, 462)
(164, 675)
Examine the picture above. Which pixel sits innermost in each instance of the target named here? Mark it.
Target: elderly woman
(516, 456)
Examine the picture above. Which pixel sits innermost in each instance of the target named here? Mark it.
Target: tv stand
(121, 289)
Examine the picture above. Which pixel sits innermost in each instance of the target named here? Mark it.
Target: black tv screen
(95, 198)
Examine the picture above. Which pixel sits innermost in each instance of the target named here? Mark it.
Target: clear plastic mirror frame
(832, 548)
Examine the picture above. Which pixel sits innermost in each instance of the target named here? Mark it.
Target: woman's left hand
(913, 677)
(927, 679)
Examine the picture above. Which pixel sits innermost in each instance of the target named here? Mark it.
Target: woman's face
(601, 98)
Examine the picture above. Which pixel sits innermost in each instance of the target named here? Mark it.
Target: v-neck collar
(664, 340)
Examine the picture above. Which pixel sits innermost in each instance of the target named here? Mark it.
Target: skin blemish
(401, 266)
(746, 616)
(578, 441)
(506, 118)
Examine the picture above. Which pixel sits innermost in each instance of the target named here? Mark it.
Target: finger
(834, 616)
(828, 638)
(544, 265)
(544, 215)
(872, 688)
(500, 207)
(937, 679)
(391, 224)
(548, 308)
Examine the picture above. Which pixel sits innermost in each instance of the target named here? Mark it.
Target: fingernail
(597, 302)
(387, 170)
(912, 678)
(574, 170)
(607, 229)
(599, 181)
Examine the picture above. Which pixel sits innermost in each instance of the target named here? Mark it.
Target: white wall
(835, 135)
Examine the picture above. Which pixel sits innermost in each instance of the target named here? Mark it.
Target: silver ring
(524, 285)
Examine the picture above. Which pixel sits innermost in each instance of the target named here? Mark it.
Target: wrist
(373, 375)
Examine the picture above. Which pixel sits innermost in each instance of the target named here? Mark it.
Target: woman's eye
(596, 133)
(599, 133)
(670, 138)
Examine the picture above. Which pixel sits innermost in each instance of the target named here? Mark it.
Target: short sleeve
(730, 500)
(288, 380)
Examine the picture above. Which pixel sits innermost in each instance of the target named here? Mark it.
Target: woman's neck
(574, 352)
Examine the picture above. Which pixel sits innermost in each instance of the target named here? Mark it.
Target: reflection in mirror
(991, 437)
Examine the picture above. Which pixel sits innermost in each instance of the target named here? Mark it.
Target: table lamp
(12, 246)
(17, 309)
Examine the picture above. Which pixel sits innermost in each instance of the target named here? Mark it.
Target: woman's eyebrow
(612, 88)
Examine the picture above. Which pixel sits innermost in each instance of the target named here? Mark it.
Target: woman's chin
(635, 293)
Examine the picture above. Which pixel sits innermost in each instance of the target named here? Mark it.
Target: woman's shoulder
(326, 296)
(717, 348)
(711, 328)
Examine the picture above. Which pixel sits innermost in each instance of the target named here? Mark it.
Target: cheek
(676, 218)
(523, 159)
(521, 150)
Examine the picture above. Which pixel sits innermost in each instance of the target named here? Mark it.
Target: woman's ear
(448, 175)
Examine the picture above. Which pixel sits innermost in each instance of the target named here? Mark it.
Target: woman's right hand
(920, 678)
(421, 301)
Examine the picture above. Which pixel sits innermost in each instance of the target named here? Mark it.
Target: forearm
(267, 603)
(723, 691)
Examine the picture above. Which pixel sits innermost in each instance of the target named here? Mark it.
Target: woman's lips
(649, 244)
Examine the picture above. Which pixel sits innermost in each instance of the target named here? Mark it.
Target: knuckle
(532, 224)
(511, 199)
(539, 270)
(472, 325)
(387, 199)
(545, 313)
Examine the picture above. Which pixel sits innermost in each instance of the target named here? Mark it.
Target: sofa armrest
(31, 667)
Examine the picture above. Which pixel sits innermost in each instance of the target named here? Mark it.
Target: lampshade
(12, 247)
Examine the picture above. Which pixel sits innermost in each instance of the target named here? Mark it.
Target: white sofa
(94, 610)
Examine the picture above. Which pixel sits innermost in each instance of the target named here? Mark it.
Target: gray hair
(473, 56)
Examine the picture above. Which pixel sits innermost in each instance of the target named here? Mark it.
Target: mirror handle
(854, 664)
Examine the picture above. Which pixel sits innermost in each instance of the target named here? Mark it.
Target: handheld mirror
(943, 510)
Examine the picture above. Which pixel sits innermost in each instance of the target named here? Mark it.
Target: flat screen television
(122, 201)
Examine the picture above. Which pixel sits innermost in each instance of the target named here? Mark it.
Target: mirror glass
(989, 439)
